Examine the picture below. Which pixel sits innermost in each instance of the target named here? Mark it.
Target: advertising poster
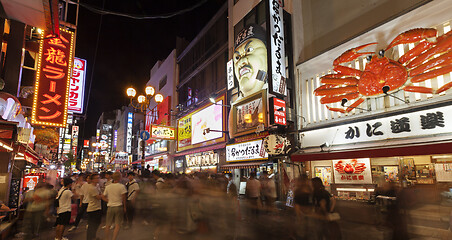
(443, 172)
(210, 117)
(391, 173)
(323, 173)
(184, 132)
(162, 132)
(352, 171)
(248, 115)
(31, 181)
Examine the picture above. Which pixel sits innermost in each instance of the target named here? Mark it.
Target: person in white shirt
(252, 192)
(115, 195)
(132, 191)
(81, 186)
(93, 210)
(63, 197)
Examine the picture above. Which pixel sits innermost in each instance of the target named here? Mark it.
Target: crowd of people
(199, 203)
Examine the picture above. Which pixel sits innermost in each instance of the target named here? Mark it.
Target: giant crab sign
(430, 58)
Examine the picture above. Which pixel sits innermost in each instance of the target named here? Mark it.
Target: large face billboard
(52, 79)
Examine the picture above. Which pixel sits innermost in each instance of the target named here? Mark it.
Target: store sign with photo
(352, 171)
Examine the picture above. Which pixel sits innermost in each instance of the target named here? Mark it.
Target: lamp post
(142, 103)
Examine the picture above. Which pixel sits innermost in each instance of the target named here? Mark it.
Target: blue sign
(145, 135)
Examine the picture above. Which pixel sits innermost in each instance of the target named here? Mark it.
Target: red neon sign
(52, 79)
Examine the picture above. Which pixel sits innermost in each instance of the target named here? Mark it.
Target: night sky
(128, 48)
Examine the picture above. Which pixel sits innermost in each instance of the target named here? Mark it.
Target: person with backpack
(132, 191)
(63, 205)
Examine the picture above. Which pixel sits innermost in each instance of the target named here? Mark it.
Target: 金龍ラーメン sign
(162, 132)
(52, 79)
(77, 86)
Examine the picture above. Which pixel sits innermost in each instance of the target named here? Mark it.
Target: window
(162, 83)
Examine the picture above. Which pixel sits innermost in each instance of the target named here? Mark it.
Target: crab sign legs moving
(430, 58)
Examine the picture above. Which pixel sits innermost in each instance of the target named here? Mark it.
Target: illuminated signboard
(163, 132)
(277, 82)
(211, 118)
(248, 114)
(352, 171)
(77, 86)
(277, 111)
(86, 143)
(191, 127)
(74, 139)
(115, 140)
(246, 151)
(129, 132)
(52, 79)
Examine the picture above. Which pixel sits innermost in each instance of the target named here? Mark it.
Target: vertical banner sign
(277, 111)
(52, 79)
(278, 55)
(77, 86)
(230, 73)
(74, 139)
(129, 132)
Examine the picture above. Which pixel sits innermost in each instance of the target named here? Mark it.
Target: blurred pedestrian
(324, 204)
(93, 210)
(269, 192)
(132, 191)
(63, 202)
(115, 196)
(34, 214)
(252, 193)
(303, 207)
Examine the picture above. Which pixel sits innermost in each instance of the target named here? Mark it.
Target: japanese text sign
(53, 75)
(277, 111)
(129, 132)
(427, 122)
(352, 171)
(77, 86)
(246, 151)
(184, 132)
(278, 55)
(163, 132)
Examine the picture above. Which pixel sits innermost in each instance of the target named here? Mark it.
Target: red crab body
(382, 75)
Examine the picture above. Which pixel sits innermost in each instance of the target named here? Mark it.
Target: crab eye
(381, 53)
(369, 57)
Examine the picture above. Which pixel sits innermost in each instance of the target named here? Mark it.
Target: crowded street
(226, 119)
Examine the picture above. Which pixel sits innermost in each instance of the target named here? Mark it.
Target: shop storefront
(203, 161)
(394, 143)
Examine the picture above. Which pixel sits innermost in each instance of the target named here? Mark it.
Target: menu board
(443, 172)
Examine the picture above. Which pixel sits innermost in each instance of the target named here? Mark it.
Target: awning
(151, 157)
(202, 149)
(411, 150)
(240, 165)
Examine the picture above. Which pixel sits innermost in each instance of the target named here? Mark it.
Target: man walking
(93, 210)
(132, 191)
(83, 199)
(115, 195)
(252, 192)
(63, 200)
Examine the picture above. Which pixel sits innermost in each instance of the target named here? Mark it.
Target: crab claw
(351, 54)
(412, 36)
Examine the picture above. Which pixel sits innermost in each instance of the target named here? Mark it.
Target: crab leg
(333, 99)
(335, 91)
(418, 89)
(341, 110)
(347, 71)
(421, 47)
(443, 45)
(335, 75)
(432, 74)
(412, 36)
(351, 54)
(340, 81)
(444, 88)
(355, 104)
(442, 60)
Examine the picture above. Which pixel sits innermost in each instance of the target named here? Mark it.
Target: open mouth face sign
(431, 57)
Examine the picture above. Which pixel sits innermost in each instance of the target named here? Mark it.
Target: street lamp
(142, 103)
